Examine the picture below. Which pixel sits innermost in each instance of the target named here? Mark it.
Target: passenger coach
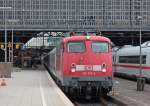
(82, 65)
(126, 61)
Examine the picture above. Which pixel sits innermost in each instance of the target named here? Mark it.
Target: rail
(102, 101)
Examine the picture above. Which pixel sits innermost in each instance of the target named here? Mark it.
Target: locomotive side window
(76, 47)
(100, 46)
(132, 59)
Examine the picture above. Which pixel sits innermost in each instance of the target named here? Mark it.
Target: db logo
(88, 68)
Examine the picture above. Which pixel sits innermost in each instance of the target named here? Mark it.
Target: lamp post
(13, 21)
(5, 8)
(140, 80)
(140, 32)
(23, 18)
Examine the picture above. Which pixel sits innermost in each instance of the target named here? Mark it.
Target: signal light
(2, 46)
(17, 46)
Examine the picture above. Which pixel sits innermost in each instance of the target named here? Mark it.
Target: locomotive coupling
(88, 91)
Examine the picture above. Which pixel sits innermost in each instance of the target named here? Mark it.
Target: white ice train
(126, 61)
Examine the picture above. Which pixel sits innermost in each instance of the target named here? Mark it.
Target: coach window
(75, 47)
(100, 46)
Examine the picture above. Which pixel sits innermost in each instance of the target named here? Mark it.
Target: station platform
(31, 88)
(127, 91)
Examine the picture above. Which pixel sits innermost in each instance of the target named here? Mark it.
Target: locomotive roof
(83, 37)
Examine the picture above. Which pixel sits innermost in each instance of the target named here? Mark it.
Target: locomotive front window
(100, 46)
(76, 47)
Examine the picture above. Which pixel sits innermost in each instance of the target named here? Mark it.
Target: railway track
(103, 101)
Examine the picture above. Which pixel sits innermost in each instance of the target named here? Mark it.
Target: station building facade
(104, 15)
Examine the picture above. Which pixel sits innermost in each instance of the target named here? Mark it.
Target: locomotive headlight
(73, 70)
(73, 67)
(87, 37)
(104, 68)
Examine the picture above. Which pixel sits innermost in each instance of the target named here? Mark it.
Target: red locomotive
(82, 65)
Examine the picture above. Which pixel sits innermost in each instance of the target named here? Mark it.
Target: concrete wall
(5, 69)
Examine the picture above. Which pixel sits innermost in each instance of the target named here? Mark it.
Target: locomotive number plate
(88, 68)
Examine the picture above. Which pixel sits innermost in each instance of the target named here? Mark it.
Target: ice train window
(132, 59)
(100, 46)
(75, 47)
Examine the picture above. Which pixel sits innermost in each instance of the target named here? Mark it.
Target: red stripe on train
(131, 66)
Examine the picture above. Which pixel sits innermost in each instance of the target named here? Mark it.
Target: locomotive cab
(87, 65)
(82, 65)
